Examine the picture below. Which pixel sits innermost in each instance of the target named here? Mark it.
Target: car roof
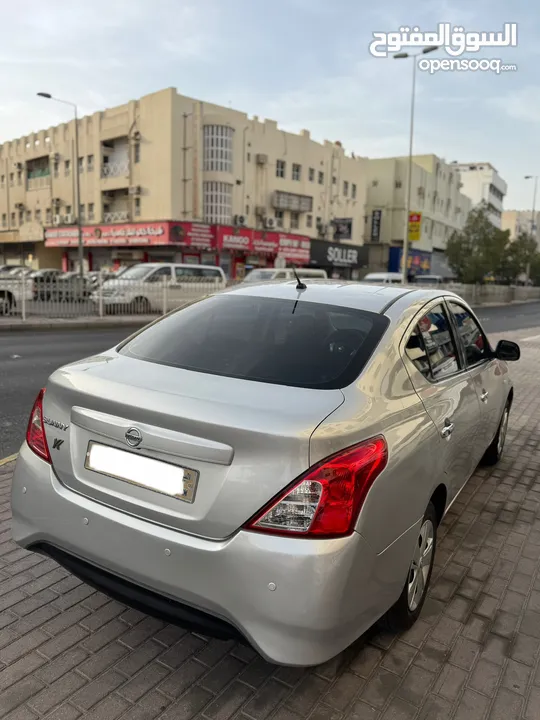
(172, 264)
(350, 294)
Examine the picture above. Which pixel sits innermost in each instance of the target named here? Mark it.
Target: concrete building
(482, 183)
(435, 197)
(168, 177)
(520, 221)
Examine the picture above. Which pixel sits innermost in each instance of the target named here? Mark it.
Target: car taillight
(325, 501)
(35, 433)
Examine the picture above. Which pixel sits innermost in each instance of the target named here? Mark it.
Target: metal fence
(95, 296)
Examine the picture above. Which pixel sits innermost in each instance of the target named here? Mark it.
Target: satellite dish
(280, 263)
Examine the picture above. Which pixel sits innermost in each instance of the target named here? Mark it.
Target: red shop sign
(133, 234)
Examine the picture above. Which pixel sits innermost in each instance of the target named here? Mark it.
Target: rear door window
(432, 341)
(271, 340)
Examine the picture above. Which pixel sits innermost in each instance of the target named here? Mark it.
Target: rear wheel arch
(439, 499)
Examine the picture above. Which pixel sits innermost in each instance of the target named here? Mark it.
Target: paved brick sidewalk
(68, 652)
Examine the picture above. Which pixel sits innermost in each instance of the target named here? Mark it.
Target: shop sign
(134, 234)
(376, 225)
(294, 248)
(328, 254)
(415, 226)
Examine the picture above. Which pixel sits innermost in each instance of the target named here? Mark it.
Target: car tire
(7, 304)
(140, 306)
(494, 452)
(405, 612)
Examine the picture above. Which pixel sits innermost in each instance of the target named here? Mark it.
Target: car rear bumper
(298, 602)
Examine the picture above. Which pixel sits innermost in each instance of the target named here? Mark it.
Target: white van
(260, 275)
(158, 287)
(383, 278)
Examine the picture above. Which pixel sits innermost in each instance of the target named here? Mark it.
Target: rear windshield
(285, 342)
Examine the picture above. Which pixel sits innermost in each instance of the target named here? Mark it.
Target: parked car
(15, 290)
(140, 289)
(273, 274)
(270, 462)
(383, 278)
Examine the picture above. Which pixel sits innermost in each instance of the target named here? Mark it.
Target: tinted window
(159, 274)
(474, 341)
(417, 353)
(271, 340)
(438, 342)
(211, 273)
(187, 273)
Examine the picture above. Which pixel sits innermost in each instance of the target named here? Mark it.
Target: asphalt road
(28, 358)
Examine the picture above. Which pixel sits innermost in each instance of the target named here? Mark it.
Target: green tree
(479, 249)
(519, 254)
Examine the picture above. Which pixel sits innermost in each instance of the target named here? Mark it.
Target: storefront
(419, 261)
(234, 248)
(339, 260)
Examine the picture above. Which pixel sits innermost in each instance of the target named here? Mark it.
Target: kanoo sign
(294, 248)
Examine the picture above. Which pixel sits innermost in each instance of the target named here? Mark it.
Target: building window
(19, 178)
(38, 215)
(217, 197)
(218, 148)
(55, 168)
(345, 188)
(249, 157)
(68, 209)
(321, 177)
(295, 220)
(90, 211)
(280, 168)
(334, 180)
(2, 181)
(279, 218)
(11, 179)
(48, 216)
(90, 163)
(353, 191)
(66, 167)
(21, 217)
(4, 220)
(397, 184)
(137, 152)
(13, 219)
(28, 216)
(81, 212)
(374, 183)
(318, 223)
(296, 171)
(137, 206)
(311, 174)
(81, 164)
(309, 221)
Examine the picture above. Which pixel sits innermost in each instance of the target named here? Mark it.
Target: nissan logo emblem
(133, 437)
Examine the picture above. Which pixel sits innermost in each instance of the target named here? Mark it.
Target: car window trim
(484, 360)
(414, 323)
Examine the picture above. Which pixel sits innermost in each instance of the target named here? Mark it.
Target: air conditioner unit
(68, 219)
(18, 166)
(135, 190)
(239, 220)
(19, 206)
(136, 136)
(260, 211)
(56, 201)
(57, 220)
(55, 157)
(269, 223)
(261, 159)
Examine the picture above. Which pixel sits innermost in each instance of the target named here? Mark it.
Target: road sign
(415, 226)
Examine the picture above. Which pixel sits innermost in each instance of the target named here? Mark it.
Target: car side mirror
(507, 350)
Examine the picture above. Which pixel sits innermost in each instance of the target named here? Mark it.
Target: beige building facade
(482, 183)
(188, 172)
(521, 221)
(437, 199)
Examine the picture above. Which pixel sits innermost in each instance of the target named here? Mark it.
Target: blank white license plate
(139, 470)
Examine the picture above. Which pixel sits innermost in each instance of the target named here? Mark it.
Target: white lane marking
(531, 338)
(9, 459)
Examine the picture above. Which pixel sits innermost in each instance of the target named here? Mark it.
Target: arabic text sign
(415, 226)
(454, 40)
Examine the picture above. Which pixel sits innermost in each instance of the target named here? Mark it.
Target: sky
(304, 63)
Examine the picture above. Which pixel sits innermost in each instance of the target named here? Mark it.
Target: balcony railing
(115, 169)
(116, 216)
(37, 183)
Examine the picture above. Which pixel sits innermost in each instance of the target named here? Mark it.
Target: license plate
(161, 477)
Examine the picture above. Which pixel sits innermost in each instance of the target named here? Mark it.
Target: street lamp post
(533, 223)
(75, 164)
(400, 56)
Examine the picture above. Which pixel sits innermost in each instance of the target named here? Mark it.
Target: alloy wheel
(420, 566)
(502, 432)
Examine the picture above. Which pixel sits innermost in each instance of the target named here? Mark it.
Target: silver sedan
(270, 463)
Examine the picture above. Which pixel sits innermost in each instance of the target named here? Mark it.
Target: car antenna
(299, 284)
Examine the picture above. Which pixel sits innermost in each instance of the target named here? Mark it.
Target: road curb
(75, 325)
(7, 460)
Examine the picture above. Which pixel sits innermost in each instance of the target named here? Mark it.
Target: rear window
(285, 342)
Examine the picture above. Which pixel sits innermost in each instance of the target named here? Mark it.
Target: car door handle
(447, 430)
(484, 396)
